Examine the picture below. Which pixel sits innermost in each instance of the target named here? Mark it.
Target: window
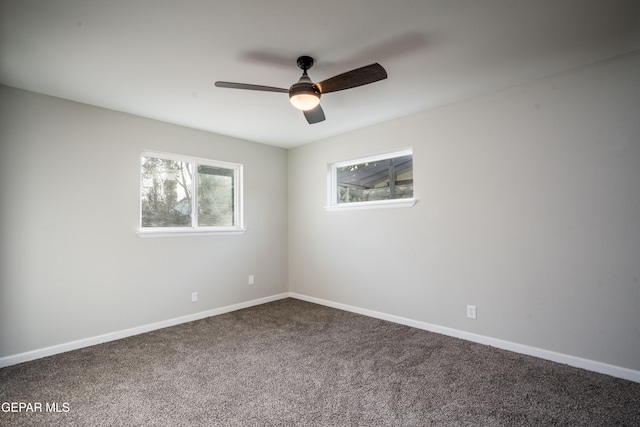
(182, 195)
(384, 180)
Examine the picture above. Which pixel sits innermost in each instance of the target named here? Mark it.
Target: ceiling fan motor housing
(304, 86)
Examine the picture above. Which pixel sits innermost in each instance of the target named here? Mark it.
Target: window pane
(215, 196)
(377, 180)
(166, 193)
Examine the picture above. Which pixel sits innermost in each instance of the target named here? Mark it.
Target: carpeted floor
(293, 363)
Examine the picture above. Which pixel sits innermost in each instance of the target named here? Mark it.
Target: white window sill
(189, 232)
(381, 204)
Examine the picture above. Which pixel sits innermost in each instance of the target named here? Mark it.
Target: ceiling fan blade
(231, 85)
(354, 78)
(315, 115)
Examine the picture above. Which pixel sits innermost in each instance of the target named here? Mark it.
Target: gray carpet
(293, 363)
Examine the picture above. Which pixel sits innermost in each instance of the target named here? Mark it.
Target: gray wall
(529, 208)
(72, 266)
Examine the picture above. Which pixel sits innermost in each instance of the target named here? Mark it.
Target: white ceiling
(160, 58)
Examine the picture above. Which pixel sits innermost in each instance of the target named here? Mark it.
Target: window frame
(332, 184)
(194, 229)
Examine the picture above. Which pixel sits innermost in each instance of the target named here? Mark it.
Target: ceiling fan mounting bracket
(305, 62)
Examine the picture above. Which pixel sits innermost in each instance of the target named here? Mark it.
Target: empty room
(326, 213)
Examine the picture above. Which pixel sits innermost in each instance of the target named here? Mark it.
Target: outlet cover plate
(471, 312)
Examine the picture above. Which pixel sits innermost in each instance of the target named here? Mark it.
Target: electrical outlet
(251, 280)
(194, 296)
(471, 311)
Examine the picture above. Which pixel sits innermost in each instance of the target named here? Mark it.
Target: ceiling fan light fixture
(305, 101)
(304, 95)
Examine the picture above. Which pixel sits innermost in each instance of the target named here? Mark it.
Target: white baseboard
(590, 365)
(112, 336)
(578, 362)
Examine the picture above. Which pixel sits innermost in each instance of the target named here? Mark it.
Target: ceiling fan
(305, 95)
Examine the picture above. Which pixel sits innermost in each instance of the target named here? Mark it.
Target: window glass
(215, 204)
(179, 193)
(374, 179)
(166, 192)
